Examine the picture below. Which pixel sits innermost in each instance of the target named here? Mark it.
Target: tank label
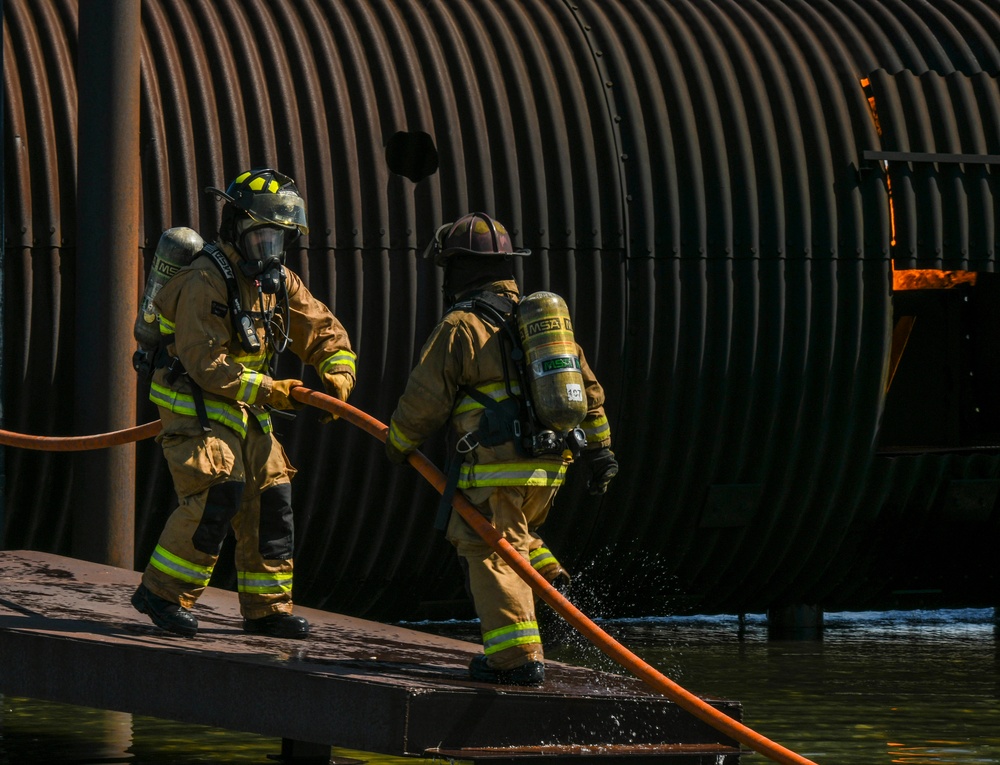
(574, 392)
(548, 324)
(551, 365)
(164, 267)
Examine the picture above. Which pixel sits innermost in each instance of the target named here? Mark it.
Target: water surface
(915, 687)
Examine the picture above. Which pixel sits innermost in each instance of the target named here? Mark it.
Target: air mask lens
(264, 243)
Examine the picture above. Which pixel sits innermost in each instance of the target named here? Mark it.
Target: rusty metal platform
(69, 634)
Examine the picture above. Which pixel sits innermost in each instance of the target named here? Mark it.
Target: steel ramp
(69, 634)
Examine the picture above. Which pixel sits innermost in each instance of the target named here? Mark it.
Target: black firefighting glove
(603, 467)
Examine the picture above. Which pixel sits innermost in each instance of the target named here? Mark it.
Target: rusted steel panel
(689, 175)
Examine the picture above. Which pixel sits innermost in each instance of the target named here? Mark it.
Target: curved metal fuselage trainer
(726, 194)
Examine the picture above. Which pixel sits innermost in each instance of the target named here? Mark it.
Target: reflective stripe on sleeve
(522, 633)
(343, 358)
(496, 391)
(398, 440)
(597, 429)
(250, 383)
(541, 557)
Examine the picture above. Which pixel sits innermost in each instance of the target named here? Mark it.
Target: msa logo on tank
(553, 366)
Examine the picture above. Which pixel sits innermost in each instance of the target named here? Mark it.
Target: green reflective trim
(496, 391)
(178, 568)
(541, 558)
(597, 429)
(522, 633)
(183, 403)
(342, 358)
(167, 327)
(255, 362)
(398, 440)
(512, 474)
(264, 583)
(250, 383)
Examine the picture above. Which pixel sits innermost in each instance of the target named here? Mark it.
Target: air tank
(551, 360)
(177, 248)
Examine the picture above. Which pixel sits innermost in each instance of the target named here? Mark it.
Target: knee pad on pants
(221, 504)
(276, 529)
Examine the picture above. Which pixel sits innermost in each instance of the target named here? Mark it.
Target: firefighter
(223, 319)
(462, 365)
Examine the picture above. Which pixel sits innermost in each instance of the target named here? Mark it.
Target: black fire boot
(277, 625)
(165, 615)
(531, 673)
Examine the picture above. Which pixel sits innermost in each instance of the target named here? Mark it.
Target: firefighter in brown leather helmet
(222, 320)
(461, 377)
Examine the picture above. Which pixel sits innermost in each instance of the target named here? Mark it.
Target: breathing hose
(583, 624)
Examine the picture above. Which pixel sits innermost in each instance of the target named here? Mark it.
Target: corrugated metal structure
(708, 184)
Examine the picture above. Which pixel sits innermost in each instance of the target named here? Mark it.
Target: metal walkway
(69, 634)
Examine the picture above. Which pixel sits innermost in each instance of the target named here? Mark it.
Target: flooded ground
(910, 687)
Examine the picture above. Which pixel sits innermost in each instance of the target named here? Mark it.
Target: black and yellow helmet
(265, 196)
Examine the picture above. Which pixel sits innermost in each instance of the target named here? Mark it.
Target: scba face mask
(263, 250)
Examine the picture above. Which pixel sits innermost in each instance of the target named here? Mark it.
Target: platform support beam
(796, 622)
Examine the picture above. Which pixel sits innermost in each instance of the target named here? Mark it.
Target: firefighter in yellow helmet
(223, 319)
(463, 375)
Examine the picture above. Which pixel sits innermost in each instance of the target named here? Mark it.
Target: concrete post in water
(798, 622)
(107, 276)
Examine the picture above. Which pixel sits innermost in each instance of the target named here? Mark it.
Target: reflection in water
(916, 687)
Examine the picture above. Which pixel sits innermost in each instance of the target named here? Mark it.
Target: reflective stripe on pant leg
(504, 602)
(265, 583)
(221, 504)
(522, 633)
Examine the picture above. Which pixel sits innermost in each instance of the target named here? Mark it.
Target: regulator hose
(583, 624)
(607, 644)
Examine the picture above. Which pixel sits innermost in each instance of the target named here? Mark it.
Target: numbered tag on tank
(574, 392)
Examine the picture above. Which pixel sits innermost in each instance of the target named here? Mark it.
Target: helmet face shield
(279, 209)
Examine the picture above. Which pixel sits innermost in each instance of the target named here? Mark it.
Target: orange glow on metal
(929, 279)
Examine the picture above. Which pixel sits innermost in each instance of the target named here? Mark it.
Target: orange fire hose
(607, 644)
(611, 647)
(79, 443)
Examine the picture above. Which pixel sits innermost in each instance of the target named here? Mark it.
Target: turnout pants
(504, 602)
(222, 482)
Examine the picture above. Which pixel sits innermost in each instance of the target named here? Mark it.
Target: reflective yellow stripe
(541, 558)
(342, 358)
(256, 362)
(522, 633)
(512, 474)
(167, 327)
(183, 403)
(264, 582)
(249, 386)
(597, 429)
(178, 568)
(400, 441)
(496, 391)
